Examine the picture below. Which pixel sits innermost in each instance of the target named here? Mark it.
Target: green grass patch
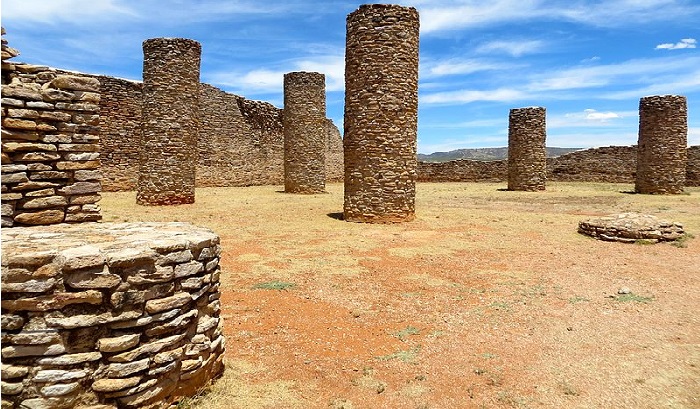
(631, 297)
(577, 299)
(403, 356)
(274, 285)
(682, 242)
(406, 332)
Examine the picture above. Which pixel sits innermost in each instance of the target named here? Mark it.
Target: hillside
(486, 154)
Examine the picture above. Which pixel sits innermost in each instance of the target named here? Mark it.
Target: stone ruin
(527, 153)
(661, 149)
(170, 121)
(305, 132)
(381, 113)
(630, 228)
(50, 145)
(94, 315)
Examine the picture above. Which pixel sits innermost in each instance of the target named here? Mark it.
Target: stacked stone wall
(381, 113)
(692, 170)
(120, 133)
(109, 316)
(305, 133)
(661, 153)
(170, 121)
(527, 155)
(50, 146)
(611, 164)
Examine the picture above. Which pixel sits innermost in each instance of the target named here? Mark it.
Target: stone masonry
(106, 316)
(50, 145)
(381, 113)
(661, 152)
(305, 132)
(170, 117)
(527, 154)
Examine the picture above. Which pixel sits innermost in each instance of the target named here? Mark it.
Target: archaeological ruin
(381, 114)
(170, 118)
(305, 134)
(661, 148)
(527, 155)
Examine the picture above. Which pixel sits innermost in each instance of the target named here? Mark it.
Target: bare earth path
(489, 299)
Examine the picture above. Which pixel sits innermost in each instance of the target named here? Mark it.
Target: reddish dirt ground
(488, 299)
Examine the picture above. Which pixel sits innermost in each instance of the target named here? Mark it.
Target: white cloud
(459, 67)
(592, 139)
(467, 96)
(684, 43)
(64, 10)
(693, 136)
(514, 48)
(590, 118)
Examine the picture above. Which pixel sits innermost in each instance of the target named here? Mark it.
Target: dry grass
(493, 282)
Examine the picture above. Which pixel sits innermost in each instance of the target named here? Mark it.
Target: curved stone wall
(305, 133)
(101, 315)
(381, 113)
(661, 152)
(170, 115)
(527, 153)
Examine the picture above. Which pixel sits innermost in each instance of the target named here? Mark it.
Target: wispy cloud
(59, 11)
(684, 43)
(430, 69)
(468, 96)
(460, 14)
(591, 118)
(514, 48)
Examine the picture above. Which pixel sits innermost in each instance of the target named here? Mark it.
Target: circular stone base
(630, 227)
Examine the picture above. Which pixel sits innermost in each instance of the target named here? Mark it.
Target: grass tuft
(274, 285)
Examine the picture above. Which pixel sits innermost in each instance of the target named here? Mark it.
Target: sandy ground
(489, 299)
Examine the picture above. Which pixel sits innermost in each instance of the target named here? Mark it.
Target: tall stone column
(170, 113)
(662, 145)
(527, 152)
(305, 132)
(381, 113)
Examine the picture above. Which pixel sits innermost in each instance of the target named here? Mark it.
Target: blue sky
(587, 62)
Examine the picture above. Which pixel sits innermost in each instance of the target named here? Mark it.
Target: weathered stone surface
(113, 385)
(29, 286)
(55, 301)
(118, 344)
(13, 371)
(45, 202)
(82, 257)
(630, 227)
(188, 269)
(527, 155)
(9, 388)
(75, 83)
(381, 113)
(167, 303)
(120, 370)
(17, 351)
(79, 321)
(40, 217)
(58, 375)
(70, 359)
(59, 389)
(93, 278)
(149, 348)
(11, 322)
(35, 337)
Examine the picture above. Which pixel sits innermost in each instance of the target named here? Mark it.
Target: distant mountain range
(484, 154)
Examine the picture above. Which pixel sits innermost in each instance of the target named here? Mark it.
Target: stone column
(170, 113)
(305, 132)
(527, 152)
(662, 145)
(381, 113)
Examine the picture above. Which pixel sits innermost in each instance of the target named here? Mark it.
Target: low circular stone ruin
(103, 315)
(630, 227)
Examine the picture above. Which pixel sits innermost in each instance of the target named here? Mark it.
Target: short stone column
(662, 145)
(305, 133)
(381, 113)
(170, 114)
(527, 152)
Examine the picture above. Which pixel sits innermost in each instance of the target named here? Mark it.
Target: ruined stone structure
(50, 145)
(305, 132)
(661, 153)
(527, 154)
(381, 113)
(610, 164)
(241, 142)
(170, 118)
(631, 227)
(692, 169)
(103, 315)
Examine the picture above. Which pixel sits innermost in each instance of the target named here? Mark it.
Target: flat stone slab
(630, 227)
